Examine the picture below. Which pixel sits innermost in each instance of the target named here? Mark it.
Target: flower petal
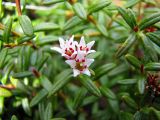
(91, 51)
(89, 62)
(71, 39)
(80, 55)
(66, 56)
(87, 72)
(74, 54)
(61, 42)
(72, 63)
(90, 44)
(82, 42)
(76, 72)
(57, 49)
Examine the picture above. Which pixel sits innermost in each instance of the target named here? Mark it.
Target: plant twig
(18, 6)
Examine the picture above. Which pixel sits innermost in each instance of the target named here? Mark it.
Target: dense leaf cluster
(35, 82)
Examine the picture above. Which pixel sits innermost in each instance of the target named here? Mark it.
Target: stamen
(83, 60)
(80, 47)
(71, 49)
(87, 49)
(77, 60)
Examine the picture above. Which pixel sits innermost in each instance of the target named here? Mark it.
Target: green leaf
(154, 38)
(62, 79)
(25, 39)
(41, 110)
(107, 92)
(14, 118)
(130, 102)
(98, 6)
(20, 85)
(133, 61)
(22, 74)
(48, 112)
(45, 27)
(127, 81)
(39, 96)
(7, 30)
(64, 74)
(1, 105)
(42, 61)
(131, 3)
(45, 83)
(3, 55)
(94, 55)
(46, 40)
(114, 105)
(104, 69)
(50, 2)
(125, 116)
(1, 9)
(156, 112)
(118, 70)
(127, 16)
(79, 98)
(58, 119)
(151, 20)
(26, 107)
(132, 17)
(80, 11)
(141, 85)
(126, 45)
(149, 47)
(4, 92)
(26, 25)
(138, 115)
(72, 23)
(69, 104)
(102, 29)
(88, 83)
(152, 67)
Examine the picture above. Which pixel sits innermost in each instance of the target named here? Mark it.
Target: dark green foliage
(37, 84)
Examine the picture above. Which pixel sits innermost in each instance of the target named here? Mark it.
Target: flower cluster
(76, 54)
(153, 84)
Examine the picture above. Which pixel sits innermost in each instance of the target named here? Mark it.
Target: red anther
(71, 43)
(75, 56)
(66, 49)
(80, 47)
(87, 49)
(77, 60)
(72, 51)
(83, 60)
(70, 48)
(85, 66)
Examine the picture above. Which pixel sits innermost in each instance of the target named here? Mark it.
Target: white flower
(82, 46)
(76, 54)
(80, 67)
(67, 48)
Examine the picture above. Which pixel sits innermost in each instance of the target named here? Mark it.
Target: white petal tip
(56, 49)
(76, 72)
